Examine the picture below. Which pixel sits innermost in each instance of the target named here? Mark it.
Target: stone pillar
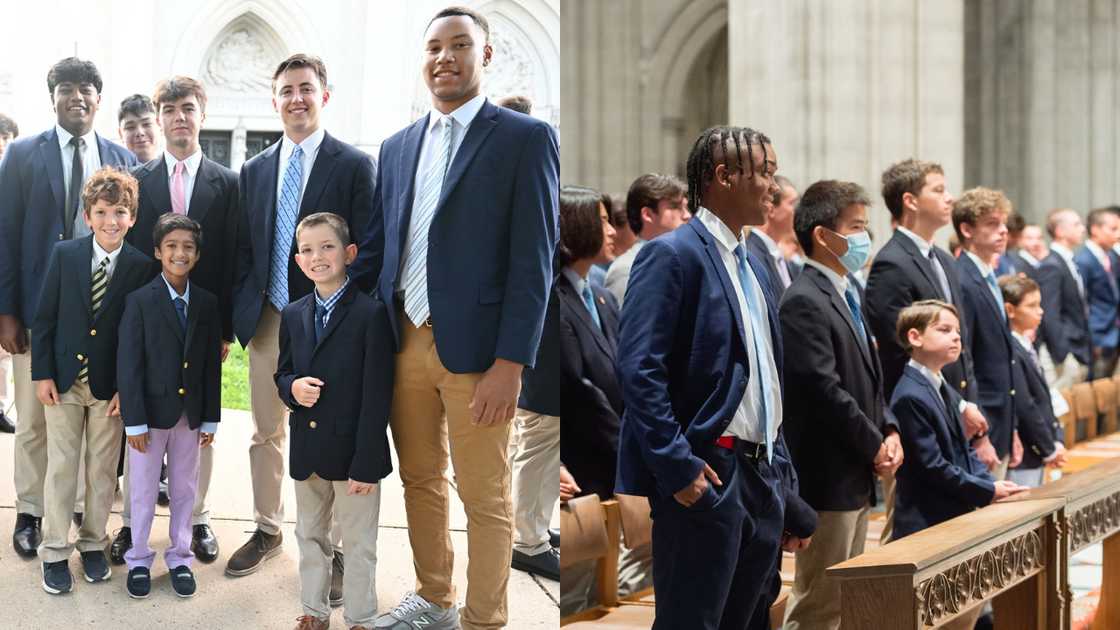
(237, 146)
(845, 88)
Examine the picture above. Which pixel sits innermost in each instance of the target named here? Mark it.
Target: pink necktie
(178, 189)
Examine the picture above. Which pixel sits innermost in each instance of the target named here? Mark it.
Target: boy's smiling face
(321, 255)
(109, 223)
(177, 254)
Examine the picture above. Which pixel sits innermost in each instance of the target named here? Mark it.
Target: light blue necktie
(857, 317)
(589, 302)
(994, 287)
(414, 280)
(758, 325)
(287, 211)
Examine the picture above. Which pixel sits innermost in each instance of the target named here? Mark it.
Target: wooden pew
(1085, 411)
(1069, 419)
(1104, 390)
(1007, 552)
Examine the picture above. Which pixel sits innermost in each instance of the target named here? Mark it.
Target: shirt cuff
(208, 427)
(136, 429)
(965, 405)
(1047, 460)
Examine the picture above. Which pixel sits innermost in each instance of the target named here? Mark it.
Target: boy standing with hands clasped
(336, 375)
(169, 368)
(74, 366)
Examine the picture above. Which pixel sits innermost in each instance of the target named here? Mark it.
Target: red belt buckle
(726, 441)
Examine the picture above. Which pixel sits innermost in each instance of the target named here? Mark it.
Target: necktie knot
(180, 168)
(181, 311)
(78, 142)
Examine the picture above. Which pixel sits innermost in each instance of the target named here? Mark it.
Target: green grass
(235, 379)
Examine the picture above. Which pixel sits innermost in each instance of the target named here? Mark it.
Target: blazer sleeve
(596, 416)
(645, 343)
(810, 358)
(212, 377)
(285, 367)
(243, 264)
(366, 268)
(886, 296)
(800, 519)
(371, 461)
(11, 232)
(532, 242)
(1053, 327)
(924, 457)
(368, 227)
(131, 368)
(1033, 422)
(45, 327)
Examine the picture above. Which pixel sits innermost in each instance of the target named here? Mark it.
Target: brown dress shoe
(307, 622)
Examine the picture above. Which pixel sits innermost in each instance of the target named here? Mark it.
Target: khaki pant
(814, 602)
(30, 458)
(889, 487)
(266, 451)
(430, 412)
(319, 503)
(536, 471)
(5, 360)
(79, 415)
(201, 513)
(1066, 374)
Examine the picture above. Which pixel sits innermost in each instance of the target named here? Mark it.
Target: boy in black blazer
(335, 374)
(169, 368)
(74, 366)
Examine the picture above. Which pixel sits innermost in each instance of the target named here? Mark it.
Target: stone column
(237, 147)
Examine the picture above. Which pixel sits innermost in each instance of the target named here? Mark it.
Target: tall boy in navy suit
(1096, 262)
(169, 370)
(336, 376)
(74, 365)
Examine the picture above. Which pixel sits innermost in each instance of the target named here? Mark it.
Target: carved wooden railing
(1009, 553)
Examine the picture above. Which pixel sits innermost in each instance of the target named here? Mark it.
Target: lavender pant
(181, 445)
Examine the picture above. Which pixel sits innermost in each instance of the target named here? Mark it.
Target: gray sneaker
(416, 613)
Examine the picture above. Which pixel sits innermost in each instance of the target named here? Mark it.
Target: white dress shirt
(746, 423)
(839, 282)
(100, 254)
(310, 148)
(934, 378)
(923, 245)
(192, 163)
(1067, 256)
(91, 162)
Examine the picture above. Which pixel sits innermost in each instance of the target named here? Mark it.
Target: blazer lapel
(307, 318)
(952, 424)
(85, 278)
(716, 260)
(765, 282)
(205, 190)
(973, 274)
(163, 299)
(571, 300)
(610, 321)
(406, 170)
(156, 185)
(120, 270)
(51, 155)
(921, 262)
(266, 217)
(341, 309)
(192, 323)
(841, 307)
(483, 123)
(321, 170)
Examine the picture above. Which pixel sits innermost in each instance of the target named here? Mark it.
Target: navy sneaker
(182, 580)
(139, 582)
(57, 578)
(95, 566)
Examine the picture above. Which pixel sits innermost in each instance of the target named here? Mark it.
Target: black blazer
(989, 342)
(900, 276)
(834, 415)
(343, 436)
(65, 329)
(164, 373)
(940, 478)
(214, 206)
(540, 384)
(1023, 266)
(1034, 411)
(1065, 317)
(756, 246)
(341, 182)
(591, 399)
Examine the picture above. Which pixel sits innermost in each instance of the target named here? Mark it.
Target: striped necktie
(415, 276)
(98, 284)
(287, 212)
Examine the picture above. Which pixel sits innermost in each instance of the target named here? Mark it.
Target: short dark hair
(8, 127)
(1015, 223)
(1097, 215)
(919, 316)
(300, 60)
(76, 71)
(821, 204)
(518, 103)
(618, 211)
(581, 228)
(168, 222)
(111, 185)
(475, 16)
(329, 219)
(907, 176)
(136, 105)
(1015, 287)
(714, 147)
(179, 87)
(646, 192)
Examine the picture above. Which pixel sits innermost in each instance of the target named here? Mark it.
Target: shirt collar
(1021, 339)
(309, 145)
(463, 114)
(923, 245)
(985, 268)
(186, 295)
(191, 162)
(577, 281)
(1031, 260)
(771, 246)
(1062, 250)
(839, 282)
(64, 137)
(332, 299)
(933, 377)
(715, 225)
(1096, 250)
(100, 254)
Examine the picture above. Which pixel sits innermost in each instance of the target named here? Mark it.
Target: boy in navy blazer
(74, 365)
(1039, 429)
(169, 370)
(1097, 264)
(336, 376)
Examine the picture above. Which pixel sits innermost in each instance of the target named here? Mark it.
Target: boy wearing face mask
(980, 219)
(839, 433)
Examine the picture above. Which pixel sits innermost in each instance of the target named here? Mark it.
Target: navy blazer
(163, 372)
(491, 241)
(835, 417)
(343, 435)
(900, 276)
(1065, 317)
(1103, 296)
(756, 246)
(539, 390)
(65, 329)
(32, 200)
(591, 398)
(683, 367)
(214, 206)
(940, 478)
(341, 181)
(986, 335)
(1039, 429)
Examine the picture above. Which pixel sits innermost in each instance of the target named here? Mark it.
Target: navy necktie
(320, 315)
(857, 318)
(181, 311)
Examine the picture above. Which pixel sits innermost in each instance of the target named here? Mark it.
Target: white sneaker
(416, 613)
